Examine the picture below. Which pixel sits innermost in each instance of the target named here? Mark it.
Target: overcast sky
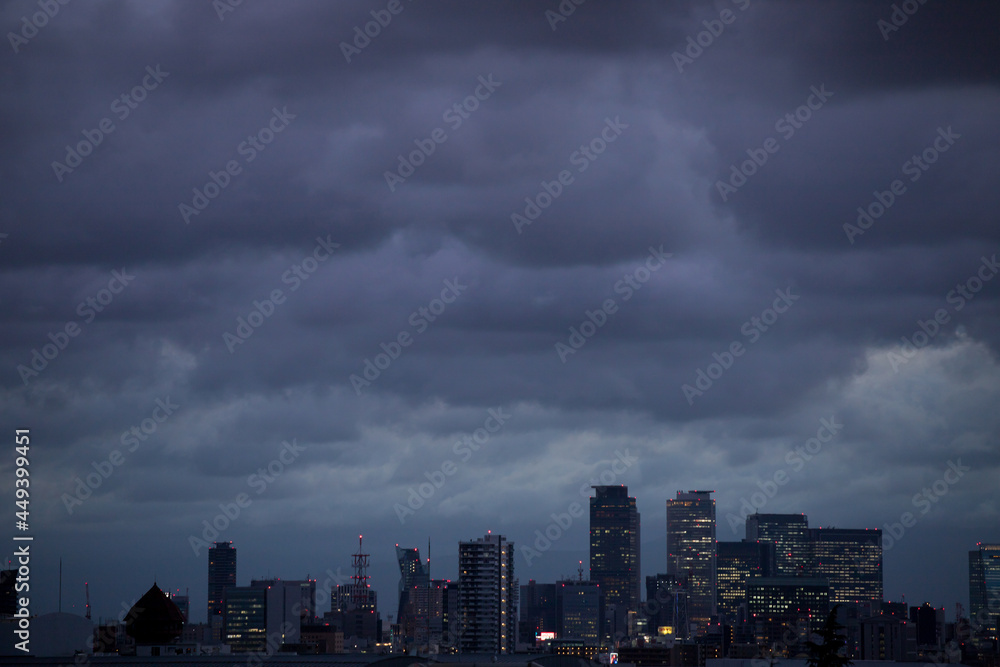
(214, 216)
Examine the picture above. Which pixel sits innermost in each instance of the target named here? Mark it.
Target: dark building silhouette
(8, 598)
(614, 547)
(736, 564)
(579, 610)
(538, 611)
(883, 637)
(154, 619)
(925, 618)
(221, 576)
(358, 621)
(666, 606)
(444, 622)
(691, 552)
(412, 611)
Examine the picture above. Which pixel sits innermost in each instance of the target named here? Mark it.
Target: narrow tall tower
(614, 546)
(487, 595)
(359, 587)
(221, 575)
(691, 551)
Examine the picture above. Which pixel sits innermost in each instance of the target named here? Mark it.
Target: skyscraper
(538, 611)
(614, 546)
(487, 595)
(736, 564)
(578, 610)
(691, 551)
(851, 560)
(221, 576)
(413, 600)
(246, 627)
(984, 586)
(790, 534)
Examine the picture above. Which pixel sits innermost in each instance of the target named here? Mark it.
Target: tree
(828, 652)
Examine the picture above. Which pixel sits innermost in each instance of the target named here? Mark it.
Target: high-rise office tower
(412, 613)
(851, 560)
(666, 606)
(614, 547)
(790, 534)
(578, 611)
(245, 614)
(442, 604)
(984, 586)
(786, 610)
(736, 564)
(691, 551)
(357, 620)
(446, 591)
(487, 595)
(538, 611)
(221, 576)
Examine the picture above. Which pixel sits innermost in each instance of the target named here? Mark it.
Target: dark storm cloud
(644, 144)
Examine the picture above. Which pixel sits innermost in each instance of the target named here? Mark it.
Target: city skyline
(342, 576)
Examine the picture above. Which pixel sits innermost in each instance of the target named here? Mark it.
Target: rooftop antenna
(579, 572)
(86, 587)
(60, 584)
(359, 592)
